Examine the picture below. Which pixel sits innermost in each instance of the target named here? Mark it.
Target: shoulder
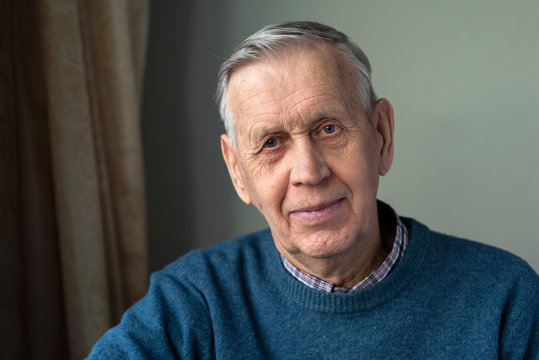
(223, 262)
(478, 272)
(472, 256)
(489, 274)
(174, 315)
(482, 285)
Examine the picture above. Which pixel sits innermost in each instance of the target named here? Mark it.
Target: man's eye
(328, 129)
(271, 143)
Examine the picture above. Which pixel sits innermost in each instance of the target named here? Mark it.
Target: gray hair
(274, 40)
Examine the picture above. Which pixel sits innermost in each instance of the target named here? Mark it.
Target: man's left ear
(383, 123)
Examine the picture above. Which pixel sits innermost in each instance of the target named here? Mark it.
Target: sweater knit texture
(448, 298)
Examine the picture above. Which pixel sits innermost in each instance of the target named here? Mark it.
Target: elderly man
(338, 274)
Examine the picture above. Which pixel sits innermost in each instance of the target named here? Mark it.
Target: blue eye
(328, 129)
(273, 142)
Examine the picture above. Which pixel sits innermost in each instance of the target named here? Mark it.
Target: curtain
(73, 252)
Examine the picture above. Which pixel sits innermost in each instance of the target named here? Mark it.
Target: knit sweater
(448, 298)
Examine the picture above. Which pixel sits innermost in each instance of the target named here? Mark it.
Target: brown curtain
(73, 225)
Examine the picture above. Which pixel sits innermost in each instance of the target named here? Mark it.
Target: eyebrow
(258, 133)
(261, 131)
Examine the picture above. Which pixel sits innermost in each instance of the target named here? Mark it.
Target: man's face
(307, 156)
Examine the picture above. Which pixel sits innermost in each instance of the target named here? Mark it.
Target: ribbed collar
(395, 282)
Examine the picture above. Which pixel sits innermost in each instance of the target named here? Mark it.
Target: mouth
(317, 213)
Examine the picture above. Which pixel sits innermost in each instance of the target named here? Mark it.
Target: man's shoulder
(225, 258)
(477, 286)
(174, 315)
(467, 257)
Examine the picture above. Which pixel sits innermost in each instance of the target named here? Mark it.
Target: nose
(309, 166)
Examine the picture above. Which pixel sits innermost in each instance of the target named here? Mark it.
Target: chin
(325, 244)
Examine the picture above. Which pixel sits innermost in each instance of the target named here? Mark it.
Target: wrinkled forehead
(303, 65)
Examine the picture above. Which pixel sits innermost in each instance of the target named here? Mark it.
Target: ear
(383, 123)
(230, 154)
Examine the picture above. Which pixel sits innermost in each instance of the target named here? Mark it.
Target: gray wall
(462, 76)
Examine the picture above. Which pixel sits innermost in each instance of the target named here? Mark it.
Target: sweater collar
(394, 283)
(400, 244)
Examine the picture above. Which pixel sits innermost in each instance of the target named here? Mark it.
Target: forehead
(303, 79)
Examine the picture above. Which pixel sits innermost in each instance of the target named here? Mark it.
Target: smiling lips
(317, 213)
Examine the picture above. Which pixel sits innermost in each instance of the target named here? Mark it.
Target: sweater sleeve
(170, 322)
(520, 338)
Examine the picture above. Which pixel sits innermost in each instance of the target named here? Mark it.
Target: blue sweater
(447, 299)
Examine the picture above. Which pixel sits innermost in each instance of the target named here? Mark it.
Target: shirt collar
(393, 258)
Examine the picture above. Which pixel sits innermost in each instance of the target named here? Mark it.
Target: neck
(349, 268)
(348, 274)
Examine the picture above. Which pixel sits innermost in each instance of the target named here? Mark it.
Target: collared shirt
(399, 247)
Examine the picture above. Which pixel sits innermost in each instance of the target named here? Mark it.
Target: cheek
(267, 186)
(359, 170)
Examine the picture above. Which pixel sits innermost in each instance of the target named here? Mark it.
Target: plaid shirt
(399, 247)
